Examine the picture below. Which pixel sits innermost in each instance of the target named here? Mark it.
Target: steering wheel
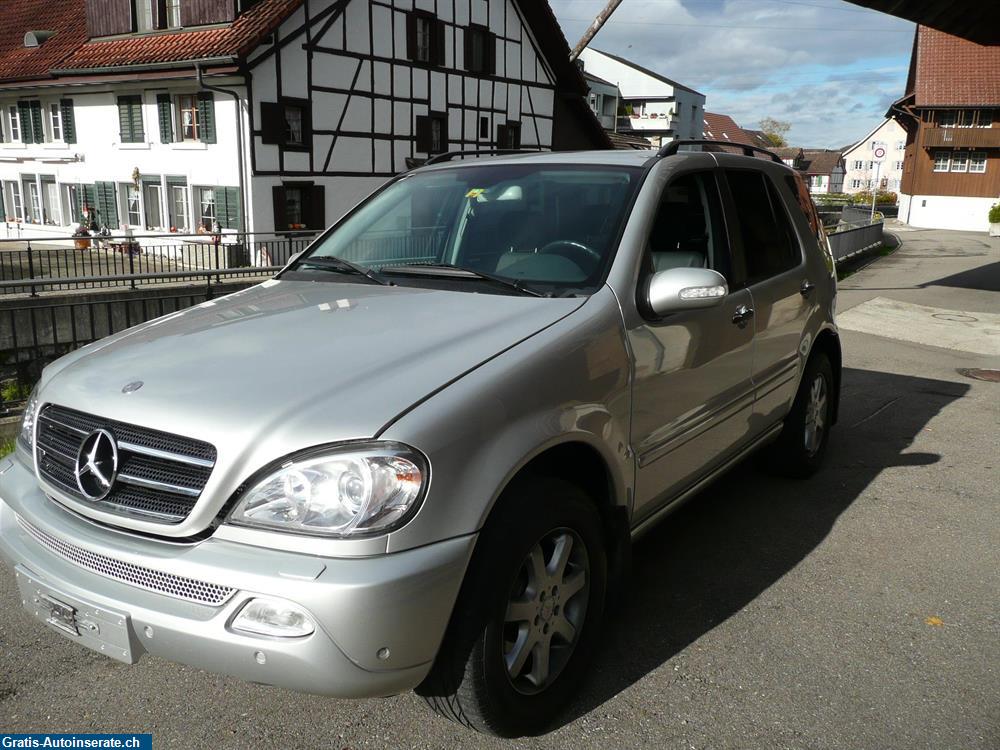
(577, 248)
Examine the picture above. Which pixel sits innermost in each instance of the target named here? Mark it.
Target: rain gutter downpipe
(239, 141)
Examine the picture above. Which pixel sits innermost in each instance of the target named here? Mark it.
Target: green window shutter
(68, 120)
(37, 129)
(24, 121)
(166, 117)
(227, 207)
(206, 117)
(107, 204)
(130, 119)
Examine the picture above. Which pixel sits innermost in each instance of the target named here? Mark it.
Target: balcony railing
(962, 137)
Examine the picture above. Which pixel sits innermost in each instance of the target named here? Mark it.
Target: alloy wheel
(815, 417)
(546, 610)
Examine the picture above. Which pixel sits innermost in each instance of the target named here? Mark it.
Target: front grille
(160, 476)
(169, 584)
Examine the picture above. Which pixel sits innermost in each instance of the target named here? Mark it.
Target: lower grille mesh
(169, 584)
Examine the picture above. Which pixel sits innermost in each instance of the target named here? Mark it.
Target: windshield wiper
(451, 270)
(329, 262)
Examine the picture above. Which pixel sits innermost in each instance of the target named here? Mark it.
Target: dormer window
(151, 15)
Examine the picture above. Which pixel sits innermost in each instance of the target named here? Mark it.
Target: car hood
(292, 364)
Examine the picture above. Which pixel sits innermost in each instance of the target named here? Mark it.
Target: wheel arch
(828, 342)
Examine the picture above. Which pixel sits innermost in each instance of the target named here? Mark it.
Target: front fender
(568, 383)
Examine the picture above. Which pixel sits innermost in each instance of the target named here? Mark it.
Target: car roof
(605, 157)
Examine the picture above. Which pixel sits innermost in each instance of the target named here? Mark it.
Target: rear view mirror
(679, 289)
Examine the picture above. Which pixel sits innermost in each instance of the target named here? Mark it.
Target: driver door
(692, 394)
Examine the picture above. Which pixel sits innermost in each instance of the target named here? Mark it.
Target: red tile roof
(238, 38)
(949, 71)
(18, 62)
(724, 128)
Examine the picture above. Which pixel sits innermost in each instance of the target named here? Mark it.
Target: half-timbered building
(159, 115)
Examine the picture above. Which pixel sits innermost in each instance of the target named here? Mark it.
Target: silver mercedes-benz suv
(418, 456)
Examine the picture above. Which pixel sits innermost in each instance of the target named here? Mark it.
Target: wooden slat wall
(200, 12)
(105, 17)
(919, 177)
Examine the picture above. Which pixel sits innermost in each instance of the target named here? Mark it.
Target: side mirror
(679, 289)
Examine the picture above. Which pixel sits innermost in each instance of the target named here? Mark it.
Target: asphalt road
(860, 609)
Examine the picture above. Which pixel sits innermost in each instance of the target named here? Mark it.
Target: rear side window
(798, 187)
(769, 243)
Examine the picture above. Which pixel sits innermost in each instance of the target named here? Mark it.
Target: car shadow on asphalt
(712, 557)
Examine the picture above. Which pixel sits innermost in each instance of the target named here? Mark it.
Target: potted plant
(81, 237)
(995, 220)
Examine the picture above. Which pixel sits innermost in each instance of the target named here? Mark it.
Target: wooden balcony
(961, 138)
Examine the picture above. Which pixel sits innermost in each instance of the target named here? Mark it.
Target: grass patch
(6, 446)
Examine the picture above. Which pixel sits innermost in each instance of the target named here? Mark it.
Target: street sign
(879, 153)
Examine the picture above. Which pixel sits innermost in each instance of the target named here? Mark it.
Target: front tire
(527, 619)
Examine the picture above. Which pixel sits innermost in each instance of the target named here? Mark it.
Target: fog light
(273, 617)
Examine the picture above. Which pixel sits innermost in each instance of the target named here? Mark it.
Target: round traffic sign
(879, 153)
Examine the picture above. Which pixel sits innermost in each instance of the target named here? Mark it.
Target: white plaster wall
(890, 133)
(99, 156)
(946, 212)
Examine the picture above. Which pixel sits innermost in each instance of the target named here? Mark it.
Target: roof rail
(671, 148)
(440, 158)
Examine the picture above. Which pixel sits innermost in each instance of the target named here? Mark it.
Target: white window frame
(15, 124)
(173, 14)
(947, 166)
(195, 124)
(179, 196)
(35, 199)
(951, 114)
(200, 205)
(144, 16)
(54, 207)
(977, 157)
(980, 123)
(859, 164)
(69, 198)
(897, 165)
(960, 162)
(900, 145)
(149, 190)
(12, 188)
(124, 217)
(55, 123)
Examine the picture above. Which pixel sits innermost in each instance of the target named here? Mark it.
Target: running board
(650, 521)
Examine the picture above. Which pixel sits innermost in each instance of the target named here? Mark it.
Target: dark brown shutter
(272, 123)
(423, 134)
(437, 42)
(316, 196)
(106, 17)
(491, 53)
(501, 136)
(411, 36)
(201, 12)
(280, 208)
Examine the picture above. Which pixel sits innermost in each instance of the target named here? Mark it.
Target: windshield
(550, 226)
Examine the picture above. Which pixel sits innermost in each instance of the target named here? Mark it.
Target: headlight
(352, 491)
(26, 434)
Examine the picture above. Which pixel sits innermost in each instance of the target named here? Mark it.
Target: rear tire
(799, 450)
(527, 620)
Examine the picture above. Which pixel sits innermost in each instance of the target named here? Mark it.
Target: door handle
(742, 315)
(806, 288)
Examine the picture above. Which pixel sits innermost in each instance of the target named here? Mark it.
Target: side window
(688, 231)
(769, 243)
(798, 187)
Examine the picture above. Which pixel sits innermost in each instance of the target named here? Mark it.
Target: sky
(828, 67)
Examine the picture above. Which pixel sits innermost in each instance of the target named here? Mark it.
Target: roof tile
(951, 71)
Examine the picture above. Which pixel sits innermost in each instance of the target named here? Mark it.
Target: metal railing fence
(67, 263)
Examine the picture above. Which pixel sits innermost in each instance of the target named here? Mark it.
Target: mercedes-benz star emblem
(97, 465)
(132, 387)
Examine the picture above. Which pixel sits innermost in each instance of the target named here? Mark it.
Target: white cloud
(828, 67)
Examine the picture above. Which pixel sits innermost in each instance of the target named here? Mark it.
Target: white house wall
(349, 59)
(859, 176)
(964, 213)
(99, 155)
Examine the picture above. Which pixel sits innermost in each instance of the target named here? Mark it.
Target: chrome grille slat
(160, 475)
(157, 581)
(151, 484)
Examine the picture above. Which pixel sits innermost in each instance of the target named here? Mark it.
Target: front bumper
(379, 620)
